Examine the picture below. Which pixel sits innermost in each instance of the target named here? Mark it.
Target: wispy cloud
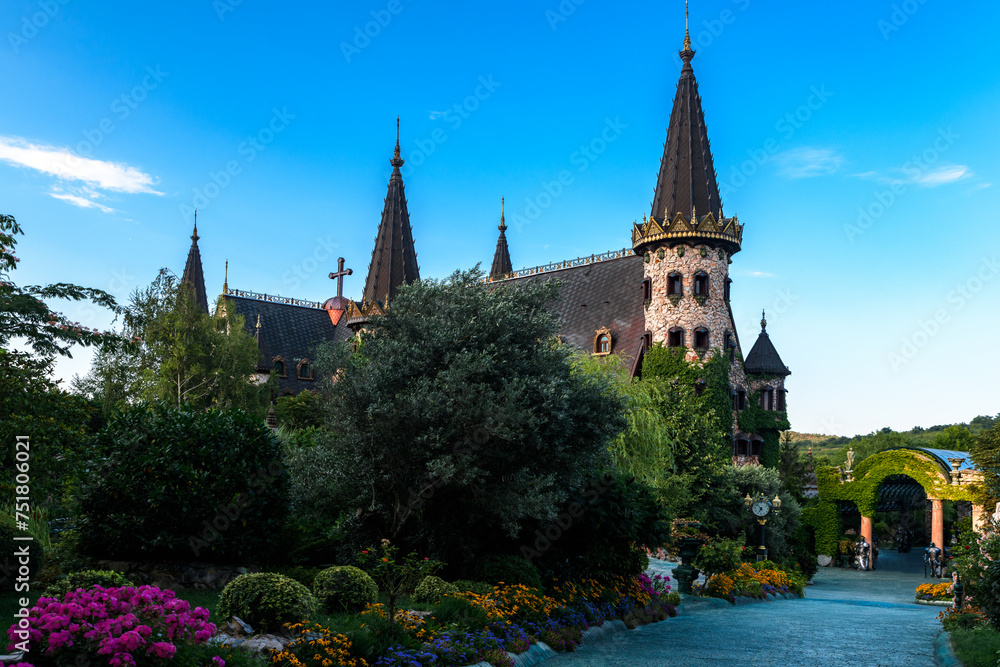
(926, 178)
(434, 115)
(760, 274)
(93, 175)
(808, 162)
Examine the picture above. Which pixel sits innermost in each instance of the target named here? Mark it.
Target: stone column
(866, 528)
(937, 522)
(978, 517)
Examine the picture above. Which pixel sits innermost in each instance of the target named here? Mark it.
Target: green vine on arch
(871, 472)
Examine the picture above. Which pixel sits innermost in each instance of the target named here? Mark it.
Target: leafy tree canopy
(986, 455)
(463, 417)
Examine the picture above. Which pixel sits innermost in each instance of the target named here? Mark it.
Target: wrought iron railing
(568, 264)
(287, 300)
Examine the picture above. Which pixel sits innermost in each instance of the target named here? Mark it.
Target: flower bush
(86, 579)
(962, 618)
(754, 580)
(977, 561)
(934, 591)
(124, 627)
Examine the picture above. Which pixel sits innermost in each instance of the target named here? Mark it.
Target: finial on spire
(396, 160)
(687, 53)
(763, 321)
(195, 237)
(225, 280)
(503, 224)
(258, 321)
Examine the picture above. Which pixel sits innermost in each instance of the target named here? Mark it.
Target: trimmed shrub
(85, 580)
(267, 601)
(213, 484)
(344, 588)
(511, 570)
(469, 586)
(719, 555)
(36, 555)
(431, 589)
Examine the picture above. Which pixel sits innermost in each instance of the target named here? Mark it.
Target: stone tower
(687, 241)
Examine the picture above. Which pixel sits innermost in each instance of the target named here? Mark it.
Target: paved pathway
(847, 618)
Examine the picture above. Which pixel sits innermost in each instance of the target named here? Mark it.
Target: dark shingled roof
(288, 331)
(600, 294)
(763, 358)
(687, 174)
(394, 259)
(193, 275)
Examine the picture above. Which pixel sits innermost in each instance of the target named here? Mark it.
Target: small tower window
(726, 288)
(740, 400)
(699, 387)
(675, 337)
(647, 290)
(279, 367)
(728, 346)
(755, 446)
(675, 284)
(701, 338)
(647, 339)
(781, 399)
(602, 341)
(767, 398)
(742, 446)
(701, 284)
(305, 370)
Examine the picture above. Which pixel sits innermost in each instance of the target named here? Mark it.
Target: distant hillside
(944, 436)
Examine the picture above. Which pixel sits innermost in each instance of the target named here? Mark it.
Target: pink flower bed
(127, 626)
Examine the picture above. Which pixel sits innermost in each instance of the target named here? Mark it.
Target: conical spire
(501, 258)
(763, 358)
(686, 182)
(193, 275)
(394, 259)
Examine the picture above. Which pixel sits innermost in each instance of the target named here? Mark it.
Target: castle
(672, 287)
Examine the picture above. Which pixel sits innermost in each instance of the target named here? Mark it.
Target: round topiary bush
(510, 570)
(85, 580)
(344, 588)
(431, 589)
(477, 587)
(267, 601)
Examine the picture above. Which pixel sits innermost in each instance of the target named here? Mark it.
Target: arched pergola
(943, 474)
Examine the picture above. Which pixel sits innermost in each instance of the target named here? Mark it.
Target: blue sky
(856, 141)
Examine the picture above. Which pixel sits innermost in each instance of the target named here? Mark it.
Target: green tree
(985, 454)
(183, 355)
(463, 419)
(955, 437)
(791, 466)
(25, 315)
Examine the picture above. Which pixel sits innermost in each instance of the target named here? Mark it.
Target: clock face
(761, 507)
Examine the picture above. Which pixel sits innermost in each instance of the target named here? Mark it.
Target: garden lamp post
(762, 508)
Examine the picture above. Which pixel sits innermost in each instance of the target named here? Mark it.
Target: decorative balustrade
(247, 294)
(568, 264)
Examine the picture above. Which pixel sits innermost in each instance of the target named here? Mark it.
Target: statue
(903, 539)
(850, 464)
(862, 554)
(933, 561)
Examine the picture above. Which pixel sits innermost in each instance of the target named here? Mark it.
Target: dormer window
(675, 337)
(675, 284)
(701, 338)
(701, 284)
(305, 370)
(602, 341)
(279, 366)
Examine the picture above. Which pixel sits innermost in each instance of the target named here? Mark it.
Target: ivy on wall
(768, 424)
(670, 363)
(871, 472)
(825, 520)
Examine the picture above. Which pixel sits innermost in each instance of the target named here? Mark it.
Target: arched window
(701, 338)
(675, 284)
(701, 284)
(279, 367)
(603, 341)
(756, 445)
(305, 370)
(742, 446)
(675, 337)
(767, 398)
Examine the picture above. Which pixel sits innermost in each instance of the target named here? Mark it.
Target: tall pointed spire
(501, 258)
(394, 259)
(193, 275)
(686, 182)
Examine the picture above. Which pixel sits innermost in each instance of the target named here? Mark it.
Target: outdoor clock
(761, 507)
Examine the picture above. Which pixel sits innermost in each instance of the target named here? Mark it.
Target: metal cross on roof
(339, 274)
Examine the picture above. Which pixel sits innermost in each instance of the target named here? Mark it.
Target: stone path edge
(944, 656)
(540, 652)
